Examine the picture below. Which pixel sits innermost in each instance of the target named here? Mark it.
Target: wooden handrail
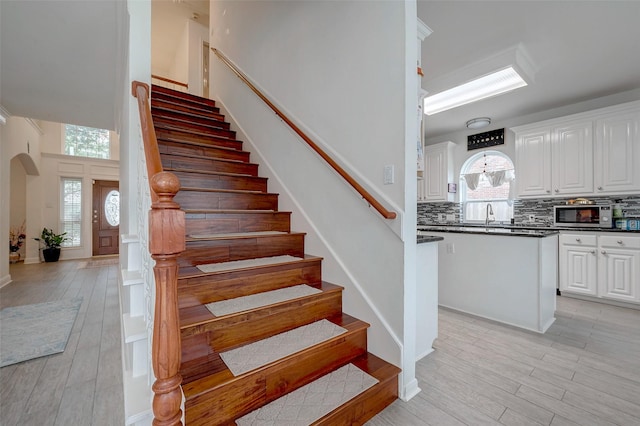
(166, 242)
(359, 188)
(168, 80)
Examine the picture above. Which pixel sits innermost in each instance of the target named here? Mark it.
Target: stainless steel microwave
(583, 216)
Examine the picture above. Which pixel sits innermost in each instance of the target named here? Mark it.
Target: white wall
(18, 198)
(21, 138)
(338, 69)
(187, 64)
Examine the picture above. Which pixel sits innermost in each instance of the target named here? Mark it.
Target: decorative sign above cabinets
(486, 139)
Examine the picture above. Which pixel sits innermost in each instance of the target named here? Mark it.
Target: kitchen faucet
(489, 213)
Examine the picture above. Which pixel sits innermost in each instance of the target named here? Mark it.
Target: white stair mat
(244, 303)
(247, 263)
(235, 234)
(310, 402)
(257, 354)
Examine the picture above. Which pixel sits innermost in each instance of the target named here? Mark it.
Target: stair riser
(229, 332)
(220, 223)
(158, 92)
(177, 148)
(208, 165)
(228, 201)
(366, 405)
(252, 391)
(179, 116)
(208, 130)
(211, 288)
(199, 252)
(207, 111)
(194, 137)
(211, 181)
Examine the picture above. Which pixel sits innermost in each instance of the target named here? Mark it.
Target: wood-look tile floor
(83, 385)
(584, 371)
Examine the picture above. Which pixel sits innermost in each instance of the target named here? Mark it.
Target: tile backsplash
(542, 209)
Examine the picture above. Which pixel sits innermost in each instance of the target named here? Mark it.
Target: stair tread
(200, 314)
(194, 143)
(228, 191)
(209, 172)
(202, 115)
(224, 236)
(209, 371)
(164, 127)
(207, 109)
(192, 271)
(311, 402)
(226, 160)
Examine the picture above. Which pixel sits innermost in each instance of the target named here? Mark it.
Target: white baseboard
(425, 353)
(5, 280)
(31, 260)
(410, 390)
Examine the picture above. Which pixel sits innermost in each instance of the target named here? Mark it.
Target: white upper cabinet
(572, 158)
(617, 153)
(438, 172)
(533, 162)
(593, 153)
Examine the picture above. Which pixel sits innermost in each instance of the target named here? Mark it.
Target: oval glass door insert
(112, 208)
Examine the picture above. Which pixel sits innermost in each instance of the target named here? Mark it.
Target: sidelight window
(71, 211)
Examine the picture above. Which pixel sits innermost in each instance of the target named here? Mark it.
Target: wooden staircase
(231, 217)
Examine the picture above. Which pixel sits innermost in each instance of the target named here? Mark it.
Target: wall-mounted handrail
(168, 80)
(359, 188)
(166, 242)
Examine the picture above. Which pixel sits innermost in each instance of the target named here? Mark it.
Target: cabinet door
(617, 153)
(619, 274)
(437, 172)
(577, 269)
(572, 158)
(533, 163)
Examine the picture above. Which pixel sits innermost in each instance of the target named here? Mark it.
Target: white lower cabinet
(600, 265)
(577, 264)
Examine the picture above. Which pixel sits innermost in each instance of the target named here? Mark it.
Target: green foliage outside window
(86, 142)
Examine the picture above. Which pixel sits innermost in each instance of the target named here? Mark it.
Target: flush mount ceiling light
(478, 123)
(490, 85)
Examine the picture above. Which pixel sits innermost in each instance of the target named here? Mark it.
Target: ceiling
(580, 50)
(63, 61)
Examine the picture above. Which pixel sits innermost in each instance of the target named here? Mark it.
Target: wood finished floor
(82, 385)
(584, 371)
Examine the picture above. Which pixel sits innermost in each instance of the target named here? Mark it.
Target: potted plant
(16, 240)
(52, 243)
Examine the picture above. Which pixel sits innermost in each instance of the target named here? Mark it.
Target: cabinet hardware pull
(593, 252)
(599, 188)
(578, 239)
(557, 190)
(603, 252)
(620, 242)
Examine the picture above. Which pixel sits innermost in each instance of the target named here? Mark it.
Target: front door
(106, 217)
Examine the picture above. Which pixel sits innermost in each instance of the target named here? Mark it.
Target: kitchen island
(506, 275)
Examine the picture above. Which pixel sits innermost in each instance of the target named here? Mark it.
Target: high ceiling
(63, 60)
(580, 50)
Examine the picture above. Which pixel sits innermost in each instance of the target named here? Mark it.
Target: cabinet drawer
(578, 239)
(620, 241)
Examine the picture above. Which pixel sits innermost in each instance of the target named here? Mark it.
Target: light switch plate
(389, 173)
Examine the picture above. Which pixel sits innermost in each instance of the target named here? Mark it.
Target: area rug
(32, 331)
(245, 303)
(257, 354)
(304, 406)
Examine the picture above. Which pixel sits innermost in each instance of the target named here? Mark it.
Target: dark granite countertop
(424, 238)
(541, 227)
(508, 232)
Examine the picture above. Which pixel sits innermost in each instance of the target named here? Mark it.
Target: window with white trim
(83, 141)
(71, 211)
(487, 178)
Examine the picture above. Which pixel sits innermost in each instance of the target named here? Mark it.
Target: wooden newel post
(166, 242)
